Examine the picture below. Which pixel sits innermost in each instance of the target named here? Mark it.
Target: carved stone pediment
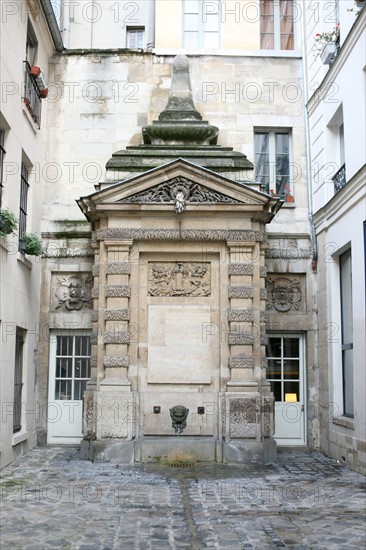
(180, 191)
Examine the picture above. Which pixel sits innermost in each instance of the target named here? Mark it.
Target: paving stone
(304, 501)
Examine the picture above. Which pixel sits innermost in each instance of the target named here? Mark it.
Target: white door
(286, 374)
(69, 373)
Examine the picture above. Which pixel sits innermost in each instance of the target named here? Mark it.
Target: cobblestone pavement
(51, 499)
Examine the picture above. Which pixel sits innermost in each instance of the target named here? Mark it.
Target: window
(283, 371)
(72, 366)
(272, 161)
(31, 97)
(345, 269)
(201, 24)
(24, 186)
(135, 37)
(277, 24)
(31, 45)
(2, 154)
(18, 380)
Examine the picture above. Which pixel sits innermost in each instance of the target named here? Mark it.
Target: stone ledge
(344, 421)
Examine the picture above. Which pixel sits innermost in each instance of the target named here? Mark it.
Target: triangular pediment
(178, 185)
(180, 188)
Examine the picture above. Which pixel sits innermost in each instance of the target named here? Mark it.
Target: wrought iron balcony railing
(339, 179)
(32, 98)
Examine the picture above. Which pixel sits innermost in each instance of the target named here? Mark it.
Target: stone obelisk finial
(180, 104)
(180, 123)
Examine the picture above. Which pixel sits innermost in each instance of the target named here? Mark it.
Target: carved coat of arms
(180, 279)
(74, 292)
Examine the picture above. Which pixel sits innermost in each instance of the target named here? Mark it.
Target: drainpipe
(150, 45)
(314, 258)
(52, 25)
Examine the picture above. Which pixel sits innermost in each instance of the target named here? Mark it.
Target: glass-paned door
(286, 375)
(69, 374)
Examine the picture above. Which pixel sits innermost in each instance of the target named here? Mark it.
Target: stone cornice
(184, 234)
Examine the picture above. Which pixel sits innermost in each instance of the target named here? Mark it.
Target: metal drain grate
(181, 465)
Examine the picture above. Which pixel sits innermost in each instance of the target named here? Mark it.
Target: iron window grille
(339, 179)
(24, 186)
(32, 98)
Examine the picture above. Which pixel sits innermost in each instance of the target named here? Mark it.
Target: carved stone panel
(243, 418)
(179, 279)
(286, 293)
(188, 191)
(73, 292)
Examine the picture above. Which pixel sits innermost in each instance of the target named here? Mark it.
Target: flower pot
(289, 198)
(328, 52)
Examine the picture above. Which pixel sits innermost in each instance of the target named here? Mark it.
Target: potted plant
(8, 222)
(31, 244)
(288, 194)
(326, 45)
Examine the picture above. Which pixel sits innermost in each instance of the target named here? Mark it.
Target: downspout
(52, 25)
(314, 257)
(151, 33)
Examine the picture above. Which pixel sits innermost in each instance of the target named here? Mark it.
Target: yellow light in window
(291, 397)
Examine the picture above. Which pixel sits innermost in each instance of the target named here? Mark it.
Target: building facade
(337, 148)
(252, 69)
(27, 40)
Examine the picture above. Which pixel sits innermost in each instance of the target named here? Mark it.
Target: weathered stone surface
(118, 268)
(116, 361)
(241, 291)
(240, 339)
(241, 361)
(243, 418)
(117, 291)
(95, 270)
(263, 294)
(241, 314)
(286, 292)
(117, 314)
(184, 234)
(115, 337)
(241, 269)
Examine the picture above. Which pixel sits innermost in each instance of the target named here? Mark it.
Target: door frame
(303, 386)
(52, 439)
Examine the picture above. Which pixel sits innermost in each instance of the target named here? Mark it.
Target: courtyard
(52, 499)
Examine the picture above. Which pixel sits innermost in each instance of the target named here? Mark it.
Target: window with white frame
(135, 38)
(201, 24)
(277, 24)
(72, 366)
(345, 271)
(273, 161)
(18, 379)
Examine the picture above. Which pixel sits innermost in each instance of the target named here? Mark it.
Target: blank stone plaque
(179, 348)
